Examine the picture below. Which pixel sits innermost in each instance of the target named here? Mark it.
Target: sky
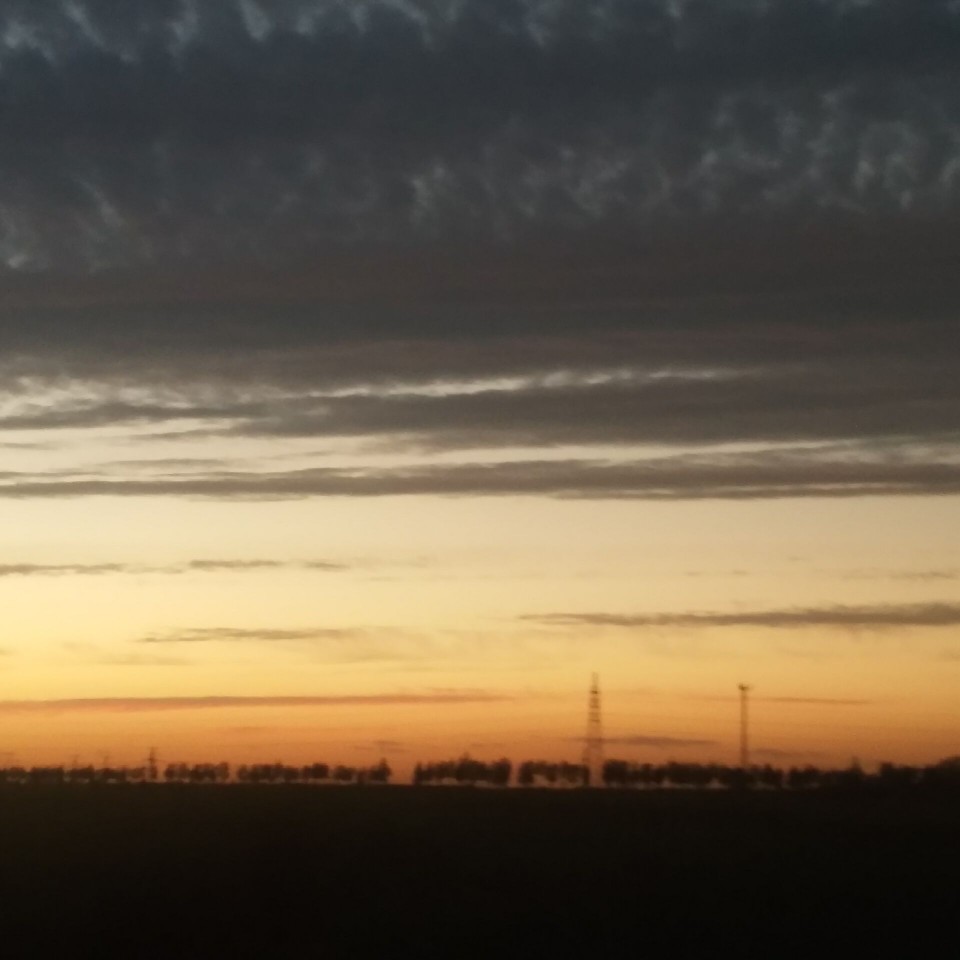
(373, 372)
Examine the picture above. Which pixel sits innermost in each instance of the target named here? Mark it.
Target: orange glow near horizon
(362, 418)
(510, 601)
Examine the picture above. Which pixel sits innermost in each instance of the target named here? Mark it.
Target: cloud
(728, 476)
(385, 746)
(619, 394)
(893, 405)
(521, 226)
(660, 743)
(218, 566)
(166, 704)
(525, 312)
(926, 576)
(917, 576)
(776, 404)
(775, 753)
(61, 569)
(139, 660)
(200, 566)
(879, 617)
(209, 566)
(239, 635)
(797, 701)
(817, 701)
(329, 644)
(460, 119)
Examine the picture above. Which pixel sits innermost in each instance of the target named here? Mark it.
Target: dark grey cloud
(172, 463)
(795, 294)
(775, 403)
(658, 223)
(221, 130)
(100, 415)
(697, 382)
(766, 474)
(876, 617)
(163, 704)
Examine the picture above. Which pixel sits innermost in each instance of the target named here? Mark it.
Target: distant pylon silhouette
(744, 730)
(593, 741)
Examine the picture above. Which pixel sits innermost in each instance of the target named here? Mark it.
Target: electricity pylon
(593, 741)
(744, 730)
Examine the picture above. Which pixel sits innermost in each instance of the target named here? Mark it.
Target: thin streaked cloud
(167, 704)
(254, 635)
(660, 743)
(779, 754)
(870, 617)
(189, 566)
(768, 474)
(140, 660)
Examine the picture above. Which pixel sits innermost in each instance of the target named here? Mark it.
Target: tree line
(466, 771)
(534, 773)
(888, 776)
(313, 773)
(212, 773)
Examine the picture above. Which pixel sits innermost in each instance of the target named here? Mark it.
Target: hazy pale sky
(371, 373)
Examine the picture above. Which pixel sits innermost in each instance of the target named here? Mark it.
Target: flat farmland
(207, 871)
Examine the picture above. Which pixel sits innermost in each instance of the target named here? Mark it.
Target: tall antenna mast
(744, 730)
(593, 741)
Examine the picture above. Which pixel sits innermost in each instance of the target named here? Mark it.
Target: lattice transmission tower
(744, 726)
(593, 741)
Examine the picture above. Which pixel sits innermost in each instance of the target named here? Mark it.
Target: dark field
(184, 872)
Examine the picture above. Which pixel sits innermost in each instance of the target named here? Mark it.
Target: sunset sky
(374, 371)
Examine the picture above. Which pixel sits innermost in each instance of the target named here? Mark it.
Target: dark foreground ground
(185, 872)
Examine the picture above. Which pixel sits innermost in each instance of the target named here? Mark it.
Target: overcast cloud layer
(177, 129)
(496, 231)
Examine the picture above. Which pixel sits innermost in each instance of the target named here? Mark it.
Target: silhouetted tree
(466, 772)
